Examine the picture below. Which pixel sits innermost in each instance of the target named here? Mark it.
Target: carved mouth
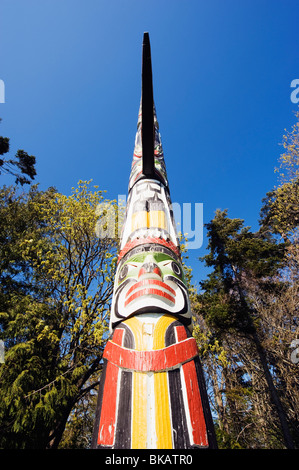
(151, 287)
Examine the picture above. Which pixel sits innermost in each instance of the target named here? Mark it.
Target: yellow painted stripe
(143, 219)
(162, 403)
(157, 219)
(160, 329)
(136, 327)
(139, 424)
(139, 220)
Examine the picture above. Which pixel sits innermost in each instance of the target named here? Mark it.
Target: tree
(80, 424)
(280, 210)
(288, 169)
(241, 260)
(55, 311)
(280, 217)
(18, 216)
(23, 164)
(278, 314)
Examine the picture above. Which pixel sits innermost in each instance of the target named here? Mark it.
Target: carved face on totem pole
(150, 279)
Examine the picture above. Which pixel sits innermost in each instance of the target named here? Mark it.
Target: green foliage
(245, 271)
(226, 440)
(236, 256)
(289, 160)
(208, 344)
(23, 164)
(57, 281)
(280, 210)
(79, 428)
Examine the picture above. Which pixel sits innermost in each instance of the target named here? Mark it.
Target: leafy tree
(79, 427)
(241, 260)
(23, 164)
(55, 308)
(280, 210)
(280, 217)
(288, 169)
(236, 256)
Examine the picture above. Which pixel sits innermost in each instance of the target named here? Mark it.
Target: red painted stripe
(118, 336)
(137, 176)
(149, 291)
(156, 270)
(155, 360)
(195, 406)
(181, 333)
(107, 425)
(108, 411)
(198, 423)
(146, 282)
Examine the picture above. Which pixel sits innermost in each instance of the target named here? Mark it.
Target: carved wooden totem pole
(152, 392)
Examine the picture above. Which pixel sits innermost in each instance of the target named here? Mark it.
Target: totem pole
(152, 392)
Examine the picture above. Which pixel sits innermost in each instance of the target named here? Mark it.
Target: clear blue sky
(222, 71)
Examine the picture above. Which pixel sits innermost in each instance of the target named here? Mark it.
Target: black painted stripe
(179, 422)
(147, 105)
(123, 427)
(205, 405)
(124, 416)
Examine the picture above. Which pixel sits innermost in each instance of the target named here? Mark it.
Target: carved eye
(126, 270)
(176, 269)
(123, 272)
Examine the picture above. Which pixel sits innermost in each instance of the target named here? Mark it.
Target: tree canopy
(247, 313)
(57, 280)
(21, 166)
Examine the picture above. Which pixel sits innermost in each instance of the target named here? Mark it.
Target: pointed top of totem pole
(147, 111)
(148, 158)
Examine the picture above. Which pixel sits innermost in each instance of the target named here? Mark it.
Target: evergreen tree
(21, 166)
(280, 210)
(57, 283)
(280, 218)
(241, 261)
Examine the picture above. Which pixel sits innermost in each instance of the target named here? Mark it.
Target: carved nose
(149, 268)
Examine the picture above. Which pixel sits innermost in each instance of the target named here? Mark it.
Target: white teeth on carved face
(150, 232)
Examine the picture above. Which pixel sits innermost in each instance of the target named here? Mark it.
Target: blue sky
(222, 71)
